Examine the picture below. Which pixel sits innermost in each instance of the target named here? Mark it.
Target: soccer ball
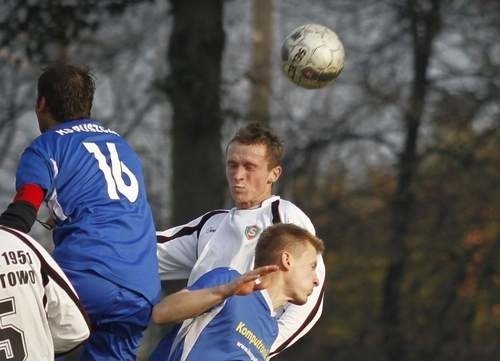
(312, 56)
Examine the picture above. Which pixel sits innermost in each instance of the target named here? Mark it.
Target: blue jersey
(241, 328)
(95, 191)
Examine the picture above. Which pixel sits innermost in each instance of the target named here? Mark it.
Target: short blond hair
(283, 237)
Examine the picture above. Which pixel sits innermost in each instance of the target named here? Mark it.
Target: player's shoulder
(11, 233)
(289, 207)
(39, 143)
(215, 213)
(226, 272)
(212, 218)
(21, 241)
(291, 213)
(216, 277)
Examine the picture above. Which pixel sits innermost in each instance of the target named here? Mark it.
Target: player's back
(95, 189)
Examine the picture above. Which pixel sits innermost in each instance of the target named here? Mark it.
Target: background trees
(193, 86)
(396, 162)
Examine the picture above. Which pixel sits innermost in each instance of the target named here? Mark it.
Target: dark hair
(283, 237)
(69, 91)
(255, 133)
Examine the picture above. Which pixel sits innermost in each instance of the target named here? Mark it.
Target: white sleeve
(297, 320)
(177, 249)
(176, 257)
(290, 213)
(68, 322)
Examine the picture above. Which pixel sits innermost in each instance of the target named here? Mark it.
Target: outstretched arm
(186, 304)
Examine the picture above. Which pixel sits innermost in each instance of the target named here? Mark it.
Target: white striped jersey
(227, 238)
(40, 313)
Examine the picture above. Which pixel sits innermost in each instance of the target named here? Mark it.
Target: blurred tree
(42, 30)
(403, 283)
(12, 103)
(195, 54)
(260, 70)
(424, 20)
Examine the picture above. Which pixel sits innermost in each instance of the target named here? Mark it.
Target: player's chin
(241, 199)
(299, 300)
(238, 194)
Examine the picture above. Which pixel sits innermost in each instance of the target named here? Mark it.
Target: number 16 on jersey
(113, 174)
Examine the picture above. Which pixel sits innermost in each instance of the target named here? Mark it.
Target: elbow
(158, 317)
(64, 343)
(81, 333)
(84, 335)
(155, 317)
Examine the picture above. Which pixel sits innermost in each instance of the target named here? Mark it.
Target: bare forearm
(186, 304)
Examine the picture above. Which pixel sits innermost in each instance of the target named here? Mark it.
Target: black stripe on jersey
(45, 277)
(308, 319)
(275, 211)
(185, 231)
(48, 271)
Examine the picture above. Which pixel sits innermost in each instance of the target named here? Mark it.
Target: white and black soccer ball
(312, 56)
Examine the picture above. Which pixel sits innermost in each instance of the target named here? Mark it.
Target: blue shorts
(119, 317)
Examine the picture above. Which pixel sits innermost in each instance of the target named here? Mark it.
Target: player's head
(256, 134)
(65, 92)
(253, 158)
(295, 251)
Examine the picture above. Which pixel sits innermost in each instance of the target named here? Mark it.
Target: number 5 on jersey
(113, 174)
(12, 343)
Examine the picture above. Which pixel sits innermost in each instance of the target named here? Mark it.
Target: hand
(247, 283)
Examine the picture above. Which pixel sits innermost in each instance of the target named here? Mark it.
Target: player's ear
(38, 104)
(41, 104)
(286, 260)
(274, 174)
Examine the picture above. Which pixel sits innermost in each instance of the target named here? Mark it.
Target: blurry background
(396, 163)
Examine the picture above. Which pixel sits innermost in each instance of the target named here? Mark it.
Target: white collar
(264, 203)
(266, 296)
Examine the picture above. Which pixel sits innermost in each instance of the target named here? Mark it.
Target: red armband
(31, 193)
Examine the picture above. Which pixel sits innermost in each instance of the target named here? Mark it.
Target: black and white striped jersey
(40, 312)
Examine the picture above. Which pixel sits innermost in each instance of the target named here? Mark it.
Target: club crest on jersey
(252, 231)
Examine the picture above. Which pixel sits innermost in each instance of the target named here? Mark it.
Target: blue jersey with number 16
(95, 190)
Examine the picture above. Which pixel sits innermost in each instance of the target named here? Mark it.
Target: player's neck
(276, 292)
(256, 203)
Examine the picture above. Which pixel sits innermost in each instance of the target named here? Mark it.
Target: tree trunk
(424, 27)
(261, 62)
(195, 55)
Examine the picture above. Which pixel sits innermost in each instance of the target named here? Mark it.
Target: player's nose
(238, 173)
(315, 279)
